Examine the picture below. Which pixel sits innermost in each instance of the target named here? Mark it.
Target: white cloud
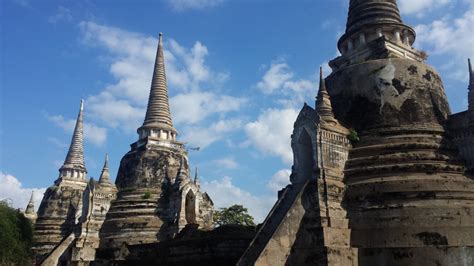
(94, 134)
(420, 7)
(276, 76)
(201, 136)
(279, 80)
(12, 189)
(279, 180)
(227, 162)
(450, 36)
(199, 105)
(115, 112)
(225, 194)
(181, 5)
(62, 14)
(271, 132)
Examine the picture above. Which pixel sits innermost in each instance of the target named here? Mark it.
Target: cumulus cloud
(181, 5)
(453, 36)
(420, 7)
(279, 78)
(271, 132)
(115, 112)
(12, 190)
(276, 76)
(227, 162)
(199, 105)
(279, 180)
(94, 134)
(224, 194)
(200, 136)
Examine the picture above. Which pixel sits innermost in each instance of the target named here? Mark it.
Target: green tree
(16, 235)
(235, 215)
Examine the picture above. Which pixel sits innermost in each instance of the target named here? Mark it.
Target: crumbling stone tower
(408, 198)
(156, 196)
(97, 198)
(308, 225)
(61, 206)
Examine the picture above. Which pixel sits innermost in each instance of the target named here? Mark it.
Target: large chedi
(378, 178)
(156, 195)
(408, 198)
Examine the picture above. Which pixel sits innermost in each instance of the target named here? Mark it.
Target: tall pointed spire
(105, 175)
(323, 101)
(158, 111)
(74, 162)
(158, 122)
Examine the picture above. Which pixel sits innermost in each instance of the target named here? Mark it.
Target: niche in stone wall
(304, 161)
(190, 207)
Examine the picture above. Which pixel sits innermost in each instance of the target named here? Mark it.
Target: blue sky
(238, 73)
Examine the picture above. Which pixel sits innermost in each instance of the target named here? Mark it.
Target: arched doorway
(190, 208)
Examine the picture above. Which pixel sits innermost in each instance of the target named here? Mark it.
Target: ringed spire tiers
(158, 121)
(371, 19)
(74, 166)
(323, 101)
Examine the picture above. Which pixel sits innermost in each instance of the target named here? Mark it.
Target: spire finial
(158, 112)
(104, 176)
(323, 101)
(322, 84)
(471, 75)
(30, 208)
(196, 177)
(75, 157)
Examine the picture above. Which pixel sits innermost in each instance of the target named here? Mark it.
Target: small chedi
(30, 212)
(383, 174)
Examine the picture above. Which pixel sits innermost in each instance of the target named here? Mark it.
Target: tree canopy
(233, 215)
(16, 235)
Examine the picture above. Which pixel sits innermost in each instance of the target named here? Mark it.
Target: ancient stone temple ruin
(383, 174)
(156, 195)
(61, 206)
(388, 187)
(73, 209)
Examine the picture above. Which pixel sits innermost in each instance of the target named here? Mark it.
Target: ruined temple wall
(58, 213)
(97, 200)
(461, 127)
(308, 225)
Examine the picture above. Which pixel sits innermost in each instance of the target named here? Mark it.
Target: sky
(238, 73)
